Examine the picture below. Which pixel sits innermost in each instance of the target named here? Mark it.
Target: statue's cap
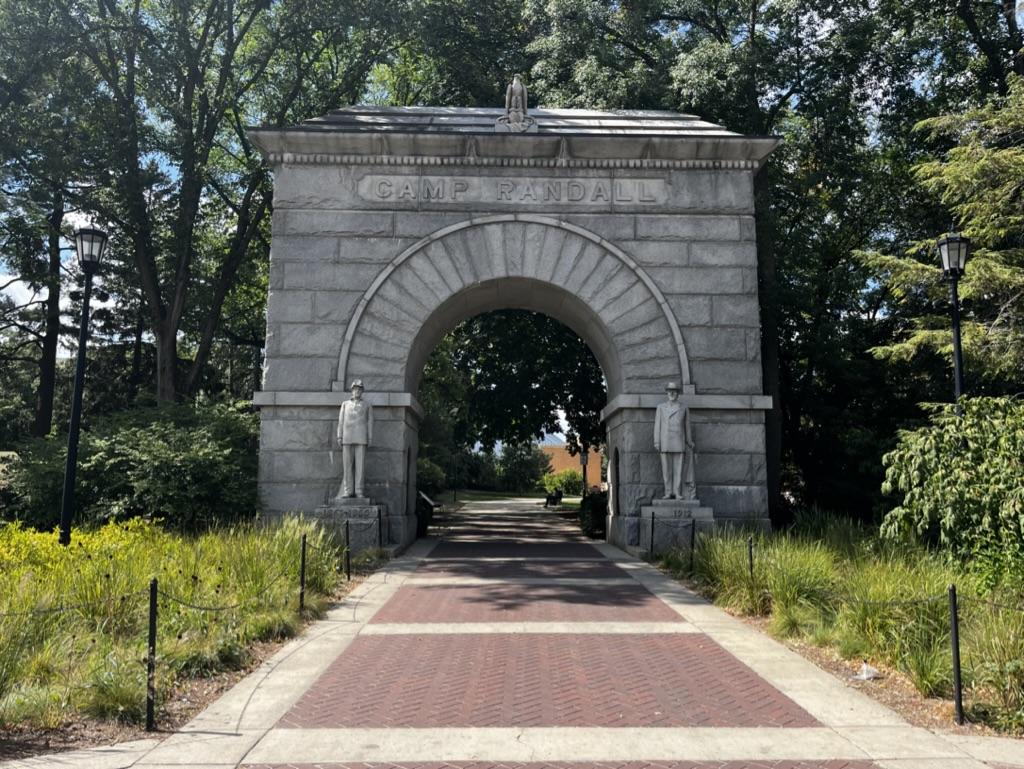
(671, 386)
(357, 383)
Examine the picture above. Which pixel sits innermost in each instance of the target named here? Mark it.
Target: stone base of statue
(367, 522)
(667, 523)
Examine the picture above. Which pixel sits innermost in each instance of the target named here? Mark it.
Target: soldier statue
(673, 440)
(354, 434)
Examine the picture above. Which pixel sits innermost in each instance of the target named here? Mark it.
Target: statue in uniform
(354, 434)
(673, 440)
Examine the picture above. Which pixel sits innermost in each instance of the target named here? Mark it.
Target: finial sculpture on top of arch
(516, 119)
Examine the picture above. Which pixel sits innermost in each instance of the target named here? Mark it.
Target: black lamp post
(954, 250)
(584, 458)
(89, 244)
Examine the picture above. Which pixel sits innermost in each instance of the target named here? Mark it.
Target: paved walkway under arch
(513, 642)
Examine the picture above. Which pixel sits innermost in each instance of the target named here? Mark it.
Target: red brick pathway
(479, 680)
(513, 549)
(535, 569)
(525, 603)
(840, 764)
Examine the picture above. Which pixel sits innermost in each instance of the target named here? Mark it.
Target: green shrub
(593, 512)
(960, 481)
(801, 579)
(895, 606)
(569, 481)
(429, 476)
(190, 467)
(115, 688)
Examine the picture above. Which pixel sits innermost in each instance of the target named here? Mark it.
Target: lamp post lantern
(90, 243)
(954, 249)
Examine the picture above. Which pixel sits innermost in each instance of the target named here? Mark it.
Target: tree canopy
(898, 119)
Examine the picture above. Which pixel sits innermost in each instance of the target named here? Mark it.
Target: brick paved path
(506, 570)
(515, 644)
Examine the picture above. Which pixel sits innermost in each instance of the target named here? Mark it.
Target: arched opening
(520, 262)
(510, 396)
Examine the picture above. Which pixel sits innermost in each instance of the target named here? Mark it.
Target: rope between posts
(993, 604)
(63, 608)
(261, 592)
(890, 602)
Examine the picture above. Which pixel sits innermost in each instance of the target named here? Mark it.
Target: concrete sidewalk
(514, 642)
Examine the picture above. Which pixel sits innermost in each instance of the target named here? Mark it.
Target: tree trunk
(48, 360)
(136, 375)
(768, 294)
(166, 362)
(246, 230)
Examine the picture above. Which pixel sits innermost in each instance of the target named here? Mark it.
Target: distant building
(561, 460)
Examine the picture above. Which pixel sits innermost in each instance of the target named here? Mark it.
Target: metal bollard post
(750, 556)
(302, 576)
(693, 541)
(380, 528)
(954, 639)
(348, 552)
(151, 660)
(652, 533)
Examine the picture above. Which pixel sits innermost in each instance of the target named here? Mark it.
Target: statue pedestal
(367, 522)
(667, 523)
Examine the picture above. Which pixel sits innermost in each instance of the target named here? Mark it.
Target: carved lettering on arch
(520, 191)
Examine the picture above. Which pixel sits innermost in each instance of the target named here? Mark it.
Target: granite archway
(392, 225)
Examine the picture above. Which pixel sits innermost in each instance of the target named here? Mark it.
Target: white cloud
(18, 291)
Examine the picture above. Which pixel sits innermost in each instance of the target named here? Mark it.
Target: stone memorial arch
(393, 225)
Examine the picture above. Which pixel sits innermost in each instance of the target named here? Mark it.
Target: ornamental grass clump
(801, 579)
(994, 660)
(874, 599)
(74, 620)
(721, 566)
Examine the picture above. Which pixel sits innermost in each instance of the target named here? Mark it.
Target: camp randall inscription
(512, 192)
(392, 225)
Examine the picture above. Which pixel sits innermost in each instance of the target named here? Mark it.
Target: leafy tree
(979, 180)
(163, 158)
(521, 467)
(502, 377)
(519, 369)
(959, 483)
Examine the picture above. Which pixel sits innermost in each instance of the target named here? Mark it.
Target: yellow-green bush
(74, 619)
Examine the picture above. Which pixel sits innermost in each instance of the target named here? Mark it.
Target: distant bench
(553, 500)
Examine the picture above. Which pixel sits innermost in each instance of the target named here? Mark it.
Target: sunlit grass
(74, 620)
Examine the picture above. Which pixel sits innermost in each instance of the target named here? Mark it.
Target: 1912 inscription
(518, 191)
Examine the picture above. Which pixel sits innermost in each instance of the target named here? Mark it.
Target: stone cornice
(696, 402)
(329, 399)
(291, 158)
(298, 146)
